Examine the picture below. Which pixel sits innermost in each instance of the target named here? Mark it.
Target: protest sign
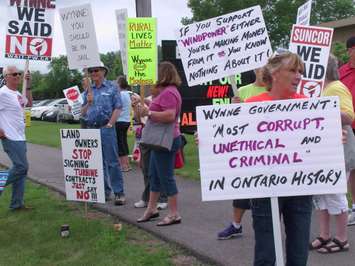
(224, 45)
(142, 54)
(2, 81)
(74, 100)
(312, 44)
(79, 36)
(3, 178)
(29, 30)
(271, 149)
(121, 18)
(83, 169)
(304, 14)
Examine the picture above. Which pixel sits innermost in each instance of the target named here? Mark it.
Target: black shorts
(242, 204)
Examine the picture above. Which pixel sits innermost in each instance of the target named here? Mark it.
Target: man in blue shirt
(101, 107)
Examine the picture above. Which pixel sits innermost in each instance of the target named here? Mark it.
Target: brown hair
(122, 83)
(286, 59)
(167, 75)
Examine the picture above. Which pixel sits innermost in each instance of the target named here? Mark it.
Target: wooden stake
(24, 83)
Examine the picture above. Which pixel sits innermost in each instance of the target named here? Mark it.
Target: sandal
(322, 242)
(170, 220)
(334, 246)
(147, 216)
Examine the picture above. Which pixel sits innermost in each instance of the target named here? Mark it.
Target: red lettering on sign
(82, 195)
(187, 120)
(313, 36)
(217, 91)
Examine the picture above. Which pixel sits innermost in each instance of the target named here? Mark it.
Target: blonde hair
(286, 59)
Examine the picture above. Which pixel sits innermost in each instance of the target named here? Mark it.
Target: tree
(113, 61)
(279, 15)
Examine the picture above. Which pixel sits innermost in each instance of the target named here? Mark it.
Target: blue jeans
(112, 169)
(16, 150)
(296, 212)
(161, 169)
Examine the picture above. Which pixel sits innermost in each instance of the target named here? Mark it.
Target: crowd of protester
(107, 106)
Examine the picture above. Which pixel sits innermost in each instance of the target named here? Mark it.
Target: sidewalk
(201, 220)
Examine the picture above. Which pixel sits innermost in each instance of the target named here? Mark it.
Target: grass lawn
(32, 237)
(47, 133)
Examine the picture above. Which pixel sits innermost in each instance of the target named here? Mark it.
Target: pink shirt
(347, 76)
(168, 99)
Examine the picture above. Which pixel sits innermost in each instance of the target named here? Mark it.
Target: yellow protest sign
(142, 55)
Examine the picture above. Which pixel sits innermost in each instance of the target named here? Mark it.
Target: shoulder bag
(158, 136)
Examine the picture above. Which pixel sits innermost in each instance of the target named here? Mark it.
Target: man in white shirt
(12, 131)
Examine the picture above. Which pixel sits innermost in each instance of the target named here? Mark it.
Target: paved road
(201, 220)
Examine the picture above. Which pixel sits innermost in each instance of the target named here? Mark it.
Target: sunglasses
(92, 70)
(15, 74)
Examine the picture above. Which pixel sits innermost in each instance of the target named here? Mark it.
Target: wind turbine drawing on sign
(38, 46)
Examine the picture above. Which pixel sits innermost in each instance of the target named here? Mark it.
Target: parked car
(51, 113)
(39, 111)
(65, 115)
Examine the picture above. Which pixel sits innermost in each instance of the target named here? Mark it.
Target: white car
(38, 112)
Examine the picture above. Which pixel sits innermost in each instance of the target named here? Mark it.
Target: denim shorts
(161, 169)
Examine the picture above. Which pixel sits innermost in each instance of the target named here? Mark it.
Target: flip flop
(169, 220)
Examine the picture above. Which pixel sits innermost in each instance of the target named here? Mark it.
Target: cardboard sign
(224, 46)
(312, 44)
(74, 99)
(29, 31)
(83, 166)
(304, 14)
(142, 57)
(271, 149)
(79, 36)
(3, 178)
(121, 18)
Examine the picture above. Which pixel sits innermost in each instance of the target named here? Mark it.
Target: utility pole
(143, 8)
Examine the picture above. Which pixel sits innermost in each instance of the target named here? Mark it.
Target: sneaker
(162, 205)
(230, 232)
(120, 199)
(140, 204)
(351, 218)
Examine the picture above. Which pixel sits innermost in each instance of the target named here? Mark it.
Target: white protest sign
(121, 18)
(29, 31)
(312, 44)
(83, 167)
(271, 149)
(74, 100)
(223, 46)
(304, 14)
(79, 36)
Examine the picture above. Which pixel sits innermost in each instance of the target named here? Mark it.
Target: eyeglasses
(14, 74)
(91, 70)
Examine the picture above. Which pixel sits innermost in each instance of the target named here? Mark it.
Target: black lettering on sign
(214, 184)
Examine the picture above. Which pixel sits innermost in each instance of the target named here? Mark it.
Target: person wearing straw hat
(12, 131)
(101, 107)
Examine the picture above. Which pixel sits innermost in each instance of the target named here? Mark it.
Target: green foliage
(59, 77)
(279, 15)
(340, 51)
